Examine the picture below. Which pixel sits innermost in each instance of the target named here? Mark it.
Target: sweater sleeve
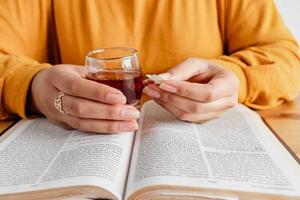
(24, 30)
(261, 52)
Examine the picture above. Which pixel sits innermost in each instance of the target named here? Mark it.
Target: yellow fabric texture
(247, 37)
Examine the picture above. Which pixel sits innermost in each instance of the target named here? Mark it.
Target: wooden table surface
(284, 120)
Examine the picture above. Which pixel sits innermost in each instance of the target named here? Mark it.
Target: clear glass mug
(117, 67)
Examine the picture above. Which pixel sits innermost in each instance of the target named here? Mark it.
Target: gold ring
(58, 102)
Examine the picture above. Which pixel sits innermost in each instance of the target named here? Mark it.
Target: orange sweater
(247, 37)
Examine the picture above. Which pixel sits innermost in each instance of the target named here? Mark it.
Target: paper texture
(235, 152)
(39, 155)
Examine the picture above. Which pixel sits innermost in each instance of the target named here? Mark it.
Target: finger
(147, 82)
(200, 92)
(190, 117)
(195, 91)
(195, 67)
(152, 91)
(85, 108)
(59, 123)
(80, 87)
(192, 106)
(100, 126)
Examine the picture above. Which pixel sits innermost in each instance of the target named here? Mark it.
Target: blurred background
(290, 12)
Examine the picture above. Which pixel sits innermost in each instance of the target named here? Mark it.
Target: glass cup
(117, 67)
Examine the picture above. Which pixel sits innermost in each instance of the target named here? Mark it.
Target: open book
(234, 157)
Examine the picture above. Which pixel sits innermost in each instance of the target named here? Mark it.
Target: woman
(219, 51)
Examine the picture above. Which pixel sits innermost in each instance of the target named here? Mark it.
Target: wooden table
(283, 120)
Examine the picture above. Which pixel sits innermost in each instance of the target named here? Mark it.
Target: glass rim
(133, 52)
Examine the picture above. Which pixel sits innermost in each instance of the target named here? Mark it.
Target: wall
(290, 12)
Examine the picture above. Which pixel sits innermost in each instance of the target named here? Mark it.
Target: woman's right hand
(88, 105)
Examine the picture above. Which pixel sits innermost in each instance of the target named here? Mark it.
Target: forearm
(260, 50)
(16, 75)
(269, 74)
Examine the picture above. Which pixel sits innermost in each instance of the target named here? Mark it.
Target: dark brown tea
(129, 83)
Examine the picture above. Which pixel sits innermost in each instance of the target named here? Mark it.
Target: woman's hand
(198, 90)
(88, 105)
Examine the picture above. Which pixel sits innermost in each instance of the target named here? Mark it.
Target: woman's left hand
(198, 91)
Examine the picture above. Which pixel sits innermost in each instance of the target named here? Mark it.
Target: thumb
(188, 69)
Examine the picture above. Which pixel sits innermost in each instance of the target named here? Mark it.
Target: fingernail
(130, 113)
(115, 98)
(128, 126)
(168, 88)
(150, 92)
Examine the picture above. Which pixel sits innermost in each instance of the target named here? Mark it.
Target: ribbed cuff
(17, 85)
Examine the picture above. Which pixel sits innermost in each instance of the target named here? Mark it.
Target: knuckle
(196, 108)
(187, 89)
(71, 86)
(165, 97)
(113, 127)
(211, 94)
(183, 116)
(114, 112)
(182, 90)
(77, 107)
(98, 94)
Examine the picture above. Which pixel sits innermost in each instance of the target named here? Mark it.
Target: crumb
(157, 79)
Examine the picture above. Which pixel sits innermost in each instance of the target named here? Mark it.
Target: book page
(38, 155)
(234, 152)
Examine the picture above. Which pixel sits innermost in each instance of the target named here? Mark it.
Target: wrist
(31, 103)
